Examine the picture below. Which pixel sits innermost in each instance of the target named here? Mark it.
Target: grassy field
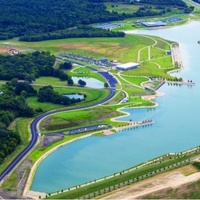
(130, 8)
(135, 80)
(123, 49)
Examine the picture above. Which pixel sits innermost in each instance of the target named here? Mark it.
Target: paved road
(35, 134)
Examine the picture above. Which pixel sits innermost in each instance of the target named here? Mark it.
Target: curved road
(111, 80)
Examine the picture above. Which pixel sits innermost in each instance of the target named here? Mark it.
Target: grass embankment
(96, 115)
(39, 150)
(86, 117)
(79, 192)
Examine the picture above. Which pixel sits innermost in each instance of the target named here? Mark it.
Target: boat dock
(135, 124)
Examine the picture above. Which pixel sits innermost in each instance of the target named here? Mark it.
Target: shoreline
(29, 193)
(33, 194)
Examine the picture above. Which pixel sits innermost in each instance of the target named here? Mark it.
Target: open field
(135, 80)
(123, 49)
(130, 8)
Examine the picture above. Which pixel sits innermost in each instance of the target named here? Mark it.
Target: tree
(106, 85)
(70, 82)
(65, 65)
(81, 83)
(30, 78)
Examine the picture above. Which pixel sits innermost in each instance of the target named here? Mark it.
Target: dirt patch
(107, 132)
(187, 170)
(3, 49)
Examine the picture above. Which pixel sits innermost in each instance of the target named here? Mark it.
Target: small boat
(198, 42)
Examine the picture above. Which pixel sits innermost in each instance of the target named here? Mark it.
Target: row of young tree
(83, 32)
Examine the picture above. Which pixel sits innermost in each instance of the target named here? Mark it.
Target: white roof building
(127, 66)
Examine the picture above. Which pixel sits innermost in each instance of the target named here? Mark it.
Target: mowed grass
(44, 80)
(124, 49)
(144, 53)
(157, 53)
(135, 80)
(164, 62)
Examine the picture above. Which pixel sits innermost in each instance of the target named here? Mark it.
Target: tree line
(77, 32)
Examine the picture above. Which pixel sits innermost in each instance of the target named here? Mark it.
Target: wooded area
(34, 20)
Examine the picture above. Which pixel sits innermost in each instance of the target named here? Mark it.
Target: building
(127, 66)
(153, 24)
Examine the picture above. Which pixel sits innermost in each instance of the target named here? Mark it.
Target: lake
(175, 129)
(75, 96)
(90, 82)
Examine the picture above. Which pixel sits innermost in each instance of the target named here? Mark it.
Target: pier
(135, 124)
(181, 82)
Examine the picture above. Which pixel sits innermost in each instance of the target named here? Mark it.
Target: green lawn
(157, 53)
(135, 80)
(48, 80)
(165, 62)
(144, 54)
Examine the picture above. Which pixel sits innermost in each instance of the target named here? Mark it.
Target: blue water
(176, 128)
(90, 82)
(75, 96)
